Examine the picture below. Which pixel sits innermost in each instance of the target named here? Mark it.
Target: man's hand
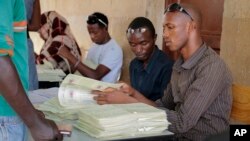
(45, 130)
(114, 97)
(127, 89)
(64, 52)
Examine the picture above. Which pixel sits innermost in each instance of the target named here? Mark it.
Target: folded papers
(106, 122)
(46, 72)
(116, 121)
(53, 110)
(75, 91)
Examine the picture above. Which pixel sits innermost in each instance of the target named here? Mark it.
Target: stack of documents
(53, 110)
(119, 121)
(46, 72)
(113, 121)
(75, 91)
(41, 95)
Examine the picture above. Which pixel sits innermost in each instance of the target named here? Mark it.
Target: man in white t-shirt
(104, 52)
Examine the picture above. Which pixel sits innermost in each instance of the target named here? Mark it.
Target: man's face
(97, 33)
(175, 30)
(142, 44)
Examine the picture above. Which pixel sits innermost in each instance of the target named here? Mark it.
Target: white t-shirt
(110, 55)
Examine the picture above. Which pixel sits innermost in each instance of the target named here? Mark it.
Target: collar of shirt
(192, 61)
(152, 61)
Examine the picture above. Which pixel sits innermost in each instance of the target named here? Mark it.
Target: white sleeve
(112, 57)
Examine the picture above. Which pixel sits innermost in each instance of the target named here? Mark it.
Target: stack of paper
(114, 121)
(75, 91)
(53, 110)
(46, 72)
(41, 95)
(121, 120)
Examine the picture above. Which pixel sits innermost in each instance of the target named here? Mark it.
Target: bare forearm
(12, 90)
(143, 99)
(86, 71)
(97, 73)
(33, 28)
(34, 25)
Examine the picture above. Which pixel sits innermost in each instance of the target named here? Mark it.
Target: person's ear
(106, 28)
(192, 26)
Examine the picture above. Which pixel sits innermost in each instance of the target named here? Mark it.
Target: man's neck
(145, 62)
(106, 39)
(190, 49)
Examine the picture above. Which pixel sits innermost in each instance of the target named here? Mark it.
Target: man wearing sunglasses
(198, 99)
(150, 70)
(104, 52)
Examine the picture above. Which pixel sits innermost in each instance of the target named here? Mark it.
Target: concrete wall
(119, 12)
(235, 40)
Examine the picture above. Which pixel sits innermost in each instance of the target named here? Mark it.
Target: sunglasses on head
(177, 7)
(92, 19)
(137, 30)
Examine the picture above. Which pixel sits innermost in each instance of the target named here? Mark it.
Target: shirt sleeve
(6, 27)
(112, 57)
(165, 76)
(210, 81)
(167, 101)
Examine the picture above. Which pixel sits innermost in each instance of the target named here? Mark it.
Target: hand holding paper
(114, 97)
(75, 91)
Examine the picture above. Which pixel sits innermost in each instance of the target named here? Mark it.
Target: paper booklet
(46, 72)
(117, 121)
(75, 90)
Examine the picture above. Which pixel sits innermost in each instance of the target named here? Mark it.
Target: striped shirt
(198, 98)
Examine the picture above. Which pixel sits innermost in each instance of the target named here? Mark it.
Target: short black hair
(142, 22)
(98, 18)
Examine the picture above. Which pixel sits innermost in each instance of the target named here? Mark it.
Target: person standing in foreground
(33, 13)
(14, 80)
(198, 99)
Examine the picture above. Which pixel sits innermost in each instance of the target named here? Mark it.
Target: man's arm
(12, 90)
(122, 96)
(210, 81)
(97, 73)
(35, 23)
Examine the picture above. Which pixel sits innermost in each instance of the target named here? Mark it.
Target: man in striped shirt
(198, 99)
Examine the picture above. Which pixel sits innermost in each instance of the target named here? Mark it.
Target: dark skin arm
(97, 73)
(34, 24)
(126, 94)
(14, 93)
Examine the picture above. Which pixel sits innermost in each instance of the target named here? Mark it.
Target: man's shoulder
(211, 56)
(113, 43)
(113, 46)
(164, 59)
(212, 60)
(133, 61)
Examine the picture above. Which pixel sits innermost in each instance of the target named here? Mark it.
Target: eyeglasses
(177, 7)
(138, 30)
(92, 19)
